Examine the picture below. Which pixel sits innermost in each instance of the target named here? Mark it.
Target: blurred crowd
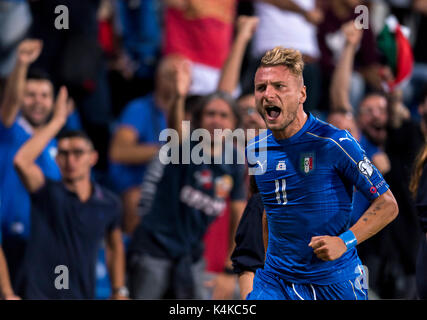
(135, 67)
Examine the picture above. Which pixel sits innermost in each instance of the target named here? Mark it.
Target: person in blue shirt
(305, 170)
(69, 217)
(26, 107)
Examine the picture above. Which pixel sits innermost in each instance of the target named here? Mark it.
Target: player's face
(75, 158)
(251, 119)
(37, 102)
(278, 95)
(373, 117)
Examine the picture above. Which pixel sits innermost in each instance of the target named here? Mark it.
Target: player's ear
(303, 94)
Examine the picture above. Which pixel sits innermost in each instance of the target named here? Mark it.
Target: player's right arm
(25, 159)
(380, 213)
(28, 51)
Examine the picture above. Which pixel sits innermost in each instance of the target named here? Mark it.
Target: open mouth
(272, 111)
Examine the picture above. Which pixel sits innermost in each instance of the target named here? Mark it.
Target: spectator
(418, 188)
(25, 109)
(74, 57)
(179, 201)
(201, 31)
(69, 218)
(216, 240)
(385, 126)
(341, 114)
(136, 141)
(331, 42)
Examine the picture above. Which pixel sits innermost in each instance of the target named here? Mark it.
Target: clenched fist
(327, 248)
(29, 50)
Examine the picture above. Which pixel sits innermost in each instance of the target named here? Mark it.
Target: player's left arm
(352, 163)
(116, 263)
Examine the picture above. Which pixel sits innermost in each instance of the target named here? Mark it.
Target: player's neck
(293, 128)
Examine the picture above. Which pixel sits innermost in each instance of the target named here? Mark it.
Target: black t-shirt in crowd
(249, 252)
(66, 233)
(179, 201)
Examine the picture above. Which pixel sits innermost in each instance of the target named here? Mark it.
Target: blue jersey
(306, 183)
(14, 198)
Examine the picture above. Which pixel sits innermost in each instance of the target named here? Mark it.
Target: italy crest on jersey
(307, 162)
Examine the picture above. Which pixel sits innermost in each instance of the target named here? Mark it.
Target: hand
(223, 286)
(182, 77)
(29, 50)
(328, 248)
(60, 113)
(353, 35)
(246, 27)
(314, 16)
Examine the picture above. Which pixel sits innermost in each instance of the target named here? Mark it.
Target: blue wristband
(349, 239)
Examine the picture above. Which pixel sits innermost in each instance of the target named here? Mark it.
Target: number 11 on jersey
(281, 188)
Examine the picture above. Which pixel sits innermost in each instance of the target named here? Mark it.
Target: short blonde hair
(290, 58)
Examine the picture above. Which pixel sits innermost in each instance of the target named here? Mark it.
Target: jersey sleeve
(352, 162)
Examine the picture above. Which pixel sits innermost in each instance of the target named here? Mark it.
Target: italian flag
(307, 164)
(394, 44)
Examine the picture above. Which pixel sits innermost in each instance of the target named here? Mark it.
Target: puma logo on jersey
(341, 139)
(261, 165)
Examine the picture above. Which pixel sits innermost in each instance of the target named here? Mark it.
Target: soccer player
(306, 182)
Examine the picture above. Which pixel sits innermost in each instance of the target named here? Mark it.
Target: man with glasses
(69, 217)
